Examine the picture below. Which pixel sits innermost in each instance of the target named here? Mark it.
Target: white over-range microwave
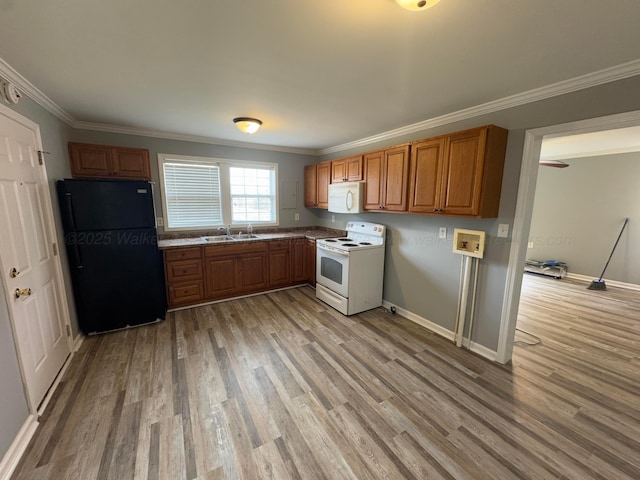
(346, 197)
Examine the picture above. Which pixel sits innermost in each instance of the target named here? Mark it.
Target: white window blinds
(192, 195)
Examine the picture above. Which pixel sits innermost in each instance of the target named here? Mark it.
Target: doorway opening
(524, 210)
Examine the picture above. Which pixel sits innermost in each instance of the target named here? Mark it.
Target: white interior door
(30, 271)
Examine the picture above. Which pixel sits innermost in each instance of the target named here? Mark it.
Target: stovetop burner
(365, 243)
(332, 240)
(349, 245)
(345, 240)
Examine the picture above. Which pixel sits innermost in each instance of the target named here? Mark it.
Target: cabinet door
(279, 268)
(254, 271)
(298, 264)
(222, 277)
(323, 179)
(462, 172)
(354, 168)
(374, 178)
(339, 171)
(396, 176)
(310, 186)
(426, 170)
(131, 163)
(310, 261)
(346, 170)
(90, 160)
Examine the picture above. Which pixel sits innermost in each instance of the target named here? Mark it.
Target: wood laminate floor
(281, 386)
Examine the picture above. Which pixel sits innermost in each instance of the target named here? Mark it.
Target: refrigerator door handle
(76, 261)
(69, 217)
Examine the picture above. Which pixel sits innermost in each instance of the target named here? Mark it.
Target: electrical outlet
(160, 222)
(443, 232)
(530, 245)
(296, 217)
(503, 230)
(333, 219)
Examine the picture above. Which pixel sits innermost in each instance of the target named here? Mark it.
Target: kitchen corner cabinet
(310, 262)
(316, 185)
(184, 276)
(459, 174)
(104, 161)
(386, 175)
(346, 169)
(298, 264)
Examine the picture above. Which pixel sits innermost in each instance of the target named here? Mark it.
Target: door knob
(13, 273)
(24, 292)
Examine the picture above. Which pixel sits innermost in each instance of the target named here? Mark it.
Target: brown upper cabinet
(346, 169)
(386, 174)
(459, 174)
(316, 185)
(104, 161)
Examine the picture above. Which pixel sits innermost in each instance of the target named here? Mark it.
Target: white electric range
(350, 269)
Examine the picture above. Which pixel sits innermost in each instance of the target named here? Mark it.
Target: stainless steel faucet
(226, 229)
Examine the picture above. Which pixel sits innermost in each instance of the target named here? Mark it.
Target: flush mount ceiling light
(247, 124)
(416, 4)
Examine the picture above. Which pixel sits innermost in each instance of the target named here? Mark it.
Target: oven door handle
(331, 250)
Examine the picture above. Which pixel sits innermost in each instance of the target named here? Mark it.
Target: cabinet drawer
(184, 270)
(182, 253)
(185, 293)
(235, 249)
(279, 245)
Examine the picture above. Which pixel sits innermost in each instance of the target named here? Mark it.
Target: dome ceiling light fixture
(416, 4)
(247, 124)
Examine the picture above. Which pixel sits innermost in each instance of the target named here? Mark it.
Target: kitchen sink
(219, 238)
(244, 236)
(228, 238)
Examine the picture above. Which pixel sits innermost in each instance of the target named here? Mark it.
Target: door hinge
(68, 330)
(41, 154)
(55, 249)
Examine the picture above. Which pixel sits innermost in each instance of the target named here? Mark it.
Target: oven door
(332, 269)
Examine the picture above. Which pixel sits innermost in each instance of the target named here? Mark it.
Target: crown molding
(607, 75)
(25, 86)
(104, 127)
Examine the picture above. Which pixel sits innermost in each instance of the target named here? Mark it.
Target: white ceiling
(608, 142)
(318, 73)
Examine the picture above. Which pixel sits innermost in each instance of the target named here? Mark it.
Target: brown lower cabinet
(236, 269)
(200, 274)
(183, 272)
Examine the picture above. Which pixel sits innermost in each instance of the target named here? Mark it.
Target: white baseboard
(613, 283)
(77, 342)
(443, 332)
(18, 447)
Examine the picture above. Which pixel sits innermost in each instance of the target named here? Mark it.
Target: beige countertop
(196, 241)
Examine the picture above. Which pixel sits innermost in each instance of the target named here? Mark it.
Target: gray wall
(421, 272)
(290, 165)
(578, 213)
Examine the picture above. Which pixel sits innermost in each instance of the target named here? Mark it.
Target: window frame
(225, 189)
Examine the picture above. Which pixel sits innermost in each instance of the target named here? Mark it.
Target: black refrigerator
(116, 268)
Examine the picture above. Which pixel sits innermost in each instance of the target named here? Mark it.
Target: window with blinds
(200, 193)
(192, 195)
